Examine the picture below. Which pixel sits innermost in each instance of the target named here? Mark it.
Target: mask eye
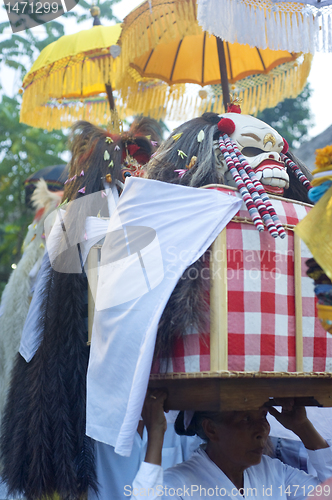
(252, 151)
(126, 173)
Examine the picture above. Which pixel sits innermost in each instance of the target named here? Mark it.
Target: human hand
(295, 418)
(153, 411)
(292, 416)
(156, 425)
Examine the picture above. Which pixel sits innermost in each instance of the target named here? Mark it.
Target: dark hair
(44, 422)
(89, 167)
(195, 427)
(296, 190)
(184, 139)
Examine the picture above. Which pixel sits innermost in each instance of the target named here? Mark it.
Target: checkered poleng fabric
(261, 305)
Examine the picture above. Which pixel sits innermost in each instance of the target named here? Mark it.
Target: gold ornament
(269, 138)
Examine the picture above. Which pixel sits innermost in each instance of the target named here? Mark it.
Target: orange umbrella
(163, 40)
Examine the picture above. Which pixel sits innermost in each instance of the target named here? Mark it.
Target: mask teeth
(260, 188)
(241, 186)
(297, 172)
(254, 189)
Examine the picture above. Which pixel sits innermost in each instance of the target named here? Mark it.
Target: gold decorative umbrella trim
(150, 98)
(145, 27)
(258, 92)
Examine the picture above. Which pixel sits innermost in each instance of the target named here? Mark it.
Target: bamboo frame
(298, 304)
(219, 304)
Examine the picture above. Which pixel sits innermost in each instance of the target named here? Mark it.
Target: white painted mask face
(261, 146)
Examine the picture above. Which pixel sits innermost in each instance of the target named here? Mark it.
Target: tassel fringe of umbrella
(279, 25)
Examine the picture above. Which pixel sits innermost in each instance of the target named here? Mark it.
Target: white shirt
(115, 471)
(199, 478)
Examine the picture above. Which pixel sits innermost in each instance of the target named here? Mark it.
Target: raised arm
(156, 425)
(295, 419)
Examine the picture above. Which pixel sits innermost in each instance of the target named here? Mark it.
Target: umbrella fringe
(177, 19)
(72, 81)
(295, 28)
(159, 101)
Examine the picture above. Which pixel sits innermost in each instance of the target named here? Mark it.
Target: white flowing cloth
(199, 478)
(95, 230)
(165, 228)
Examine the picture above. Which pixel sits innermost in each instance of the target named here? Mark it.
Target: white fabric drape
(158, 230)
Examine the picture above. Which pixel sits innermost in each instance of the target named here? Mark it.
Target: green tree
(19, 51)
(291, 118)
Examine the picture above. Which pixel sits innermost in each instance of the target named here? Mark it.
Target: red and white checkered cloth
(261, 305)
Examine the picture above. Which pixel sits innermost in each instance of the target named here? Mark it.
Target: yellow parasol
(75, 66)
(163, 40)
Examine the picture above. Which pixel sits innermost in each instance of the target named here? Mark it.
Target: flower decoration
(109, 140)
(82, 190)
(192, 162)
(71, 179)
(324, 158)
(182, 154)
(106, 155)
(111, 164)
(82, 173)
(63, 203)
(181, 171)
(176, 137)
(200, 136)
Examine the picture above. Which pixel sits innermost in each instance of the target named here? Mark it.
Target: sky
(320, 77)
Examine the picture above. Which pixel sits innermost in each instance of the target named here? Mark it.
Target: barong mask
(261, 146)
(254, 154)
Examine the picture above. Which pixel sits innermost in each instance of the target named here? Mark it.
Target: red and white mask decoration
(261, 145)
